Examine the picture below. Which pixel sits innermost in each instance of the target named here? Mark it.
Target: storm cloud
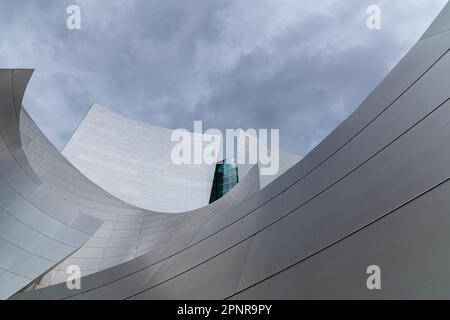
(298, 65)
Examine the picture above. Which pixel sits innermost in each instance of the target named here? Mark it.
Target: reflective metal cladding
(131, 160)
(374, 192)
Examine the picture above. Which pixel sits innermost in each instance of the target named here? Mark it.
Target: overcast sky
(299, 65)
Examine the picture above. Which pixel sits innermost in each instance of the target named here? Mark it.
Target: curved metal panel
(132, 160)
(375, 191)
(31, 239)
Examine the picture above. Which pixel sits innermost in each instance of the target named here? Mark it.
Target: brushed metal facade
(132, 160)
(34, 236)
(375, 191)
(52, 195)
(127, 231)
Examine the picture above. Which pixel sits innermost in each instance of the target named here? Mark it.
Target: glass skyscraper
(225, 178)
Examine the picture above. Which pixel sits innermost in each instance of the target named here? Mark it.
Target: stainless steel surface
(375, 191)
(132, 160)
(32, 240)
(52, 216)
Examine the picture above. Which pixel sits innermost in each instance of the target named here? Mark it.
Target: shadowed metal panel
(31, 239)
(410, 246)
(215, 279)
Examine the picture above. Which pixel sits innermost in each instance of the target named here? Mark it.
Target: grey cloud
(302, 66)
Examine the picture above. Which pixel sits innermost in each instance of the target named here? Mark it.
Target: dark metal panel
(220, 242)
(214, 279)
(411, 165)
(122, 288)
(410, 246)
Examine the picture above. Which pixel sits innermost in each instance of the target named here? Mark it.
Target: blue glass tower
(225, 178)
